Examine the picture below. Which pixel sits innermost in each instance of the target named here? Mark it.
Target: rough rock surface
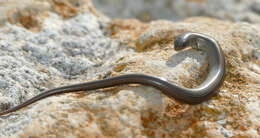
(147, 10)
(84, 47)
(31, 13)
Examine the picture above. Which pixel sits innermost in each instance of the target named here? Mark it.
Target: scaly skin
(191, 96)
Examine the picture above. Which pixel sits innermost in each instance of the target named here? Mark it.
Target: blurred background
(147, 10)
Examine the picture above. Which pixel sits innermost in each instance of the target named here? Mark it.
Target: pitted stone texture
(31, 14)
(226, 114)
(76, 50)
(62, 52)
(142, 111)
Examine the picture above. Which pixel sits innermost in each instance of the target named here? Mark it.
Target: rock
(88, 46)
(31, 13)
(147, 10)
